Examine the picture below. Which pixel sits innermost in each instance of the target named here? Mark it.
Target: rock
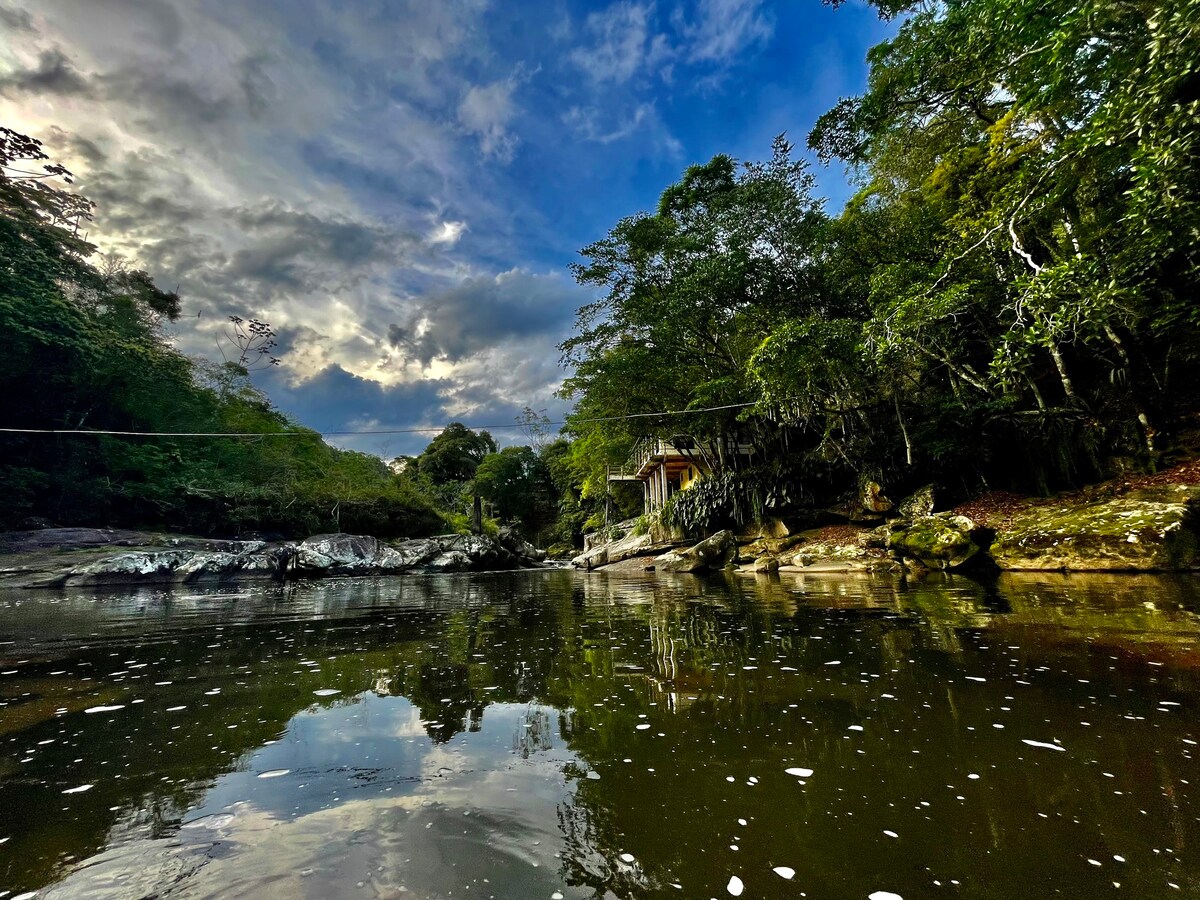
(937, 542)
(1152, 529)
(454, 561)
(347, 554)
(871, 499)
(766, 565)
(633, 545)
(712, 553)
(512, 541)
(875, 538)
(917, 505)
(131, 567)
(418, 551)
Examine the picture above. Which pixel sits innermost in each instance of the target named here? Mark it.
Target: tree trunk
(1063, 375)
(908, 450)
(1148, 430)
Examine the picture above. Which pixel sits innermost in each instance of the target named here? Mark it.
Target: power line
(381, 432)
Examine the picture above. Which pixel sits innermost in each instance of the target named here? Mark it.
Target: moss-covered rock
(936, 542)
(1153, 529)
(712, 553)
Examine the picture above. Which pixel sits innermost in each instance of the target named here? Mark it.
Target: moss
(935, 541)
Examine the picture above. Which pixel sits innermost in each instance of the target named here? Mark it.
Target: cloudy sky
(398, 186)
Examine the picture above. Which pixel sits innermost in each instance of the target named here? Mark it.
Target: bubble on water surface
(326, 692)
(627, 857)
(884, 895)
(799, 772)
(79, 790)
(735, 886)
(100, 709)
(784, 872)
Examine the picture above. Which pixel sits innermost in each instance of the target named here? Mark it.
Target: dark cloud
(336, 400)
(482, 313)
(52, 75)
(291, 249)
(16, 19)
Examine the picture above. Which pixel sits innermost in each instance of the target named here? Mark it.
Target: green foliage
(1009, 299)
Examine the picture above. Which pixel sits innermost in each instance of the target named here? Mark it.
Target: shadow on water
(533, 734)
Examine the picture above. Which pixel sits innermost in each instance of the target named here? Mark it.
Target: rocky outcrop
(1152, 529)
(602, 555)
(346, 554)
(711, 553)
(917, 505)
(936, 542)
(175, 560)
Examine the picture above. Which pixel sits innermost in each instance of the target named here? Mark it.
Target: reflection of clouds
(456, 813)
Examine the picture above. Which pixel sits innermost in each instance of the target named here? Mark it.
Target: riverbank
(1135, 524)
(94, 557)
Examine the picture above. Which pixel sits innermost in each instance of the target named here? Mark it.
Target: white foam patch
(327, 692)
(274, 773)
(79, 790)
(1043, 745)
(100, 709)
(784, 872)
(799, 772)
(884, 895)
(735, 886)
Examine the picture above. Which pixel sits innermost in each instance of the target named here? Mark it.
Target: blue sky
(399, 186)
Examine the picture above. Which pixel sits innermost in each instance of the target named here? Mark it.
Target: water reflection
(522, 735)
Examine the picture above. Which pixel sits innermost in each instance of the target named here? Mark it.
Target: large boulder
(712, 553)
(871, 499)
(512, 540)
(153, 566)
(936, 542)
(917, 505)
(1152, 529)
(346, 554)
(626, 548)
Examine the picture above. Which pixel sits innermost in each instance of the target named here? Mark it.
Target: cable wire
(385, 431)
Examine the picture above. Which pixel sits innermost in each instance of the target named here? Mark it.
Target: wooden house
(667, 466)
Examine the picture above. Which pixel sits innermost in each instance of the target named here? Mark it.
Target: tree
(455, 454)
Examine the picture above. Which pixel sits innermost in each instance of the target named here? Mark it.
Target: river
(556, 734)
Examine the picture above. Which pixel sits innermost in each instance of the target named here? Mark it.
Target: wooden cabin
(667, 466)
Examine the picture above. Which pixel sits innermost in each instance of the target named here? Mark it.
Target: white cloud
(447, 233)
(722, 29)
(622, 43)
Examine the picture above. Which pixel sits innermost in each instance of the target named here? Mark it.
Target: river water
(564, 735)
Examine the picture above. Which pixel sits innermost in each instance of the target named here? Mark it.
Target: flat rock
(1153, 529)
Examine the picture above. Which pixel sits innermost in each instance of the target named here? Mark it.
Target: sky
(399, 186)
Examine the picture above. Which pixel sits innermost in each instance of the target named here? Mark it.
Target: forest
(1008, 301)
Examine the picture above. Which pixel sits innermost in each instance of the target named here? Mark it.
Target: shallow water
(557, 734)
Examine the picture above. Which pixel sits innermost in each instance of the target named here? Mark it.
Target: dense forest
(1008, 301)
(87, 351)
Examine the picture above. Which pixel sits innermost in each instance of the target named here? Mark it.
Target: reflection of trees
(534, 732)
(443, 695)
